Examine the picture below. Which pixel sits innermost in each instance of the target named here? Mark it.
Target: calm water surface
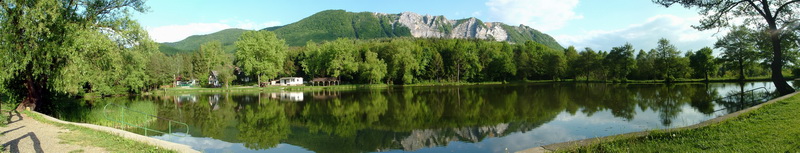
(436, 119)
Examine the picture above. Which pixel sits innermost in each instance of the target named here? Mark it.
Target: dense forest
(420, 60)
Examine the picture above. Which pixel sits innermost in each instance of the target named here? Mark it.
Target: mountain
(332, 24)
(192, 43)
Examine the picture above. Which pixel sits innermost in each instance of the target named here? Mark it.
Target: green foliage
(56, 47)
(226, 37)
(739, 50)
(343, 57)
(703, 63)
(373, 68)
(402, 60)
(524, 33)
(162, 68)
(773, 16)
(330, 25)
(668, 62)
(620, 61)
(261, 54)
(589, 63)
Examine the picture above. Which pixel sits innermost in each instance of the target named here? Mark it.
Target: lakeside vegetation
(92, 61)
(768, 129)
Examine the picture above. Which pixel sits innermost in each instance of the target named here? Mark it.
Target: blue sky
(600, 24)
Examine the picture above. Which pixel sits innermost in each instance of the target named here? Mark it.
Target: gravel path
(24, 134)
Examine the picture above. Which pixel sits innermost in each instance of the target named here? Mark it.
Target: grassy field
(88, 137)
(772, 128)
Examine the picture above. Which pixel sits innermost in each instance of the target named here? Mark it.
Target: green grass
(772, 128)
(88, 137)
(131, 115)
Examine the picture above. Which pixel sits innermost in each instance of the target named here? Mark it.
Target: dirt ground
(24, 134)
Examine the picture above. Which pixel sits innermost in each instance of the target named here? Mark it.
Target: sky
(599, 24)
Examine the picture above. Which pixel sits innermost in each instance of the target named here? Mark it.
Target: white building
(290, 81)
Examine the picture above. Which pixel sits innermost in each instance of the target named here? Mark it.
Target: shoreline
(124, 134)
(570, 145)
(245, 89)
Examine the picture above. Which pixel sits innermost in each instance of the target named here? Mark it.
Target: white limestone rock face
(427, 26)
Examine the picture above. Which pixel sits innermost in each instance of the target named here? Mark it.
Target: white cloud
(173, 33)
(543, 15)
(645, 36)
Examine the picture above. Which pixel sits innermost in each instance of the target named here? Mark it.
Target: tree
(644, 65)
(373, 69)
(343, 54)
(620, 61)
(738, 49)
(436, 66)
(557, 65)
(261, 53)
(502, 66)
(571, 56)
(210, 58)
(667, 60)
(39, 42)
(703, 63)
(162, 69)
(587, 62)
(401, 60)
(773, 15)
(200, 67)
(314, 62)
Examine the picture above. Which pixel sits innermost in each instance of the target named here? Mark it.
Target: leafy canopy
(261, 53)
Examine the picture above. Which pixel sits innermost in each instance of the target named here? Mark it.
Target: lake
(486, 118)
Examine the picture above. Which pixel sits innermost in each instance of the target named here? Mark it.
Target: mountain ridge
(332, 24)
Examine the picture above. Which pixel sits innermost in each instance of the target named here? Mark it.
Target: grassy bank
(88, 137)
(772, 128)
(429, 83)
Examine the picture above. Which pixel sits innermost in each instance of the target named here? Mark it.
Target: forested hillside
(330, 25)
(192, 43)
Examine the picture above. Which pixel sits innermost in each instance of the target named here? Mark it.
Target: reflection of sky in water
(565, 127)
(214, 145)
(568, 127)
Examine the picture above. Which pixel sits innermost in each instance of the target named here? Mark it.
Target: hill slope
(332, 24)
(192, 43)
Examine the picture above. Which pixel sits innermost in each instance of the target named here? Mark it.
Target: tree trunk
(741, 70)
(777, 63)
(33, 97)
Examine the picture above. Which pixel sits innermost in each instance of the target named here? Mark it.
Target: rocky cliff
(428, 26)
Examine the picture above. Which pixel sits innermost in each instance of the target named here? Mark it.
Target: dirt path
(24, 134)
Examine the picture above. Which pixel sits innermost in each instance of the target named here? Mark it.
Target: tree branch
(760, 11)
(724, 11)
(778, 11)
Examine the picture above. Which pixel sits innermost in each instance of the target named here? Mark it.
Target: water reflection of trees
(414, 118)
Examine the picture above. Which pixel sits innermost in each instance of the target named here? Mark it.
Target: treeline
(262, 56)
